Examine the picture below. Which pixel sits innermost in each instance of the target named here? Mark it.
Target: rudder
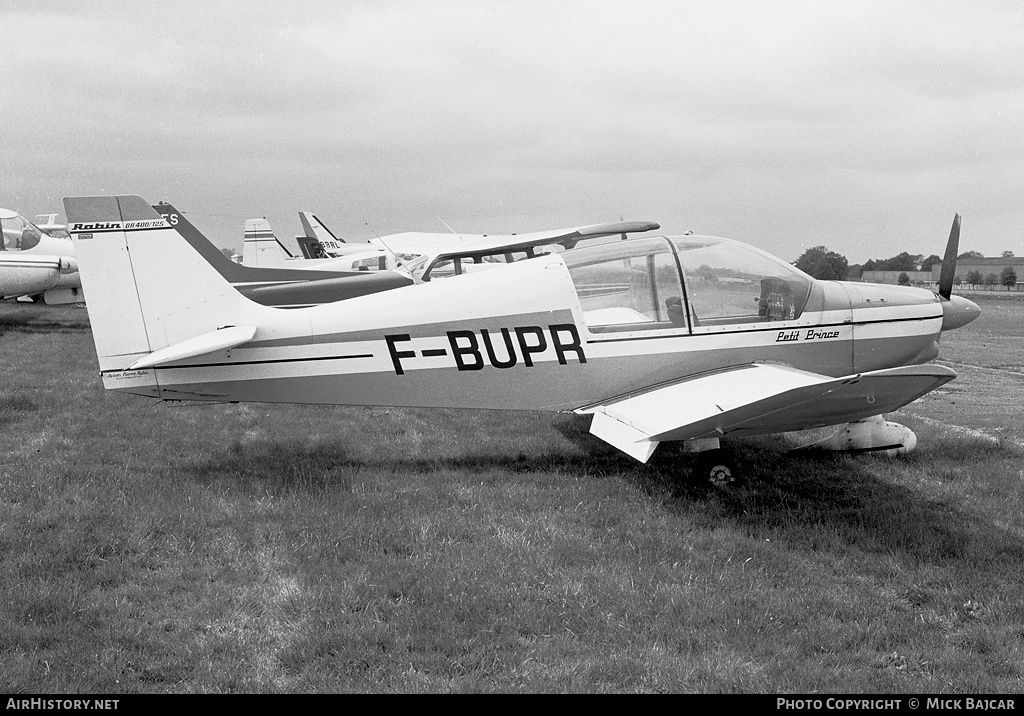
(101, 247)
(152, 289)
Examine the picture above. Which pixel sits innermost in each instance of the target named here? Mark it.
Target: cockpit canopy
(681, 281)
(19, 233)
(694, 282)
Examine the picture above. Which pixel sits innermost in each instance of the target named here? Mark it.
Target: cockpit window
(19, 233)
(729, 282)
(628, 285)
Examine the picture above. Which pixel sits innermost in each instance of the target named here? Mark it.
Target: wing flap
(625, 437)
(757, 399)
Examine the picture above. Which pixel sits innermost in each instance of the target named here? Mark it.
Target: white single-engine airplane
(687, 338)
(51, 227)
(262, 249)
(319, 242)
(35, 262)
(282, 287)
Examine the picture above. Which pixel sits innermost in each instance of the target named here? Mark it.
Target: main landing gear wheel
(716, 468)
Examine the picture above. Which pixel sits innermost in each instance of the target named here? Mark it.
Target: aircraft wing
(755, 399)
(566, 237)
(451, 244)
(478, 247)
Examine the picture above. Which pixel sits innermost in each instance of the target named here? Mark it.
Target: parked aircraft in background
(299, 287)
(34, 262)
(424, 262)
(685, 338)
(423, 255)
(51, 227)
(282, 287)
(319, 242)
(262, 249)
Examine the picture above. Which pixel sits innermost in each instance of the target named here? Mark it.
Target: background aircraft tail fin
(261, 247)
(226, 267)
(314, 228)
(151, 288)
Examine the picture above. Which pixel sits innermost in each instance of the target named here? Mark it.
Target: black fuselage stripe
(253, 362)
(765, 330)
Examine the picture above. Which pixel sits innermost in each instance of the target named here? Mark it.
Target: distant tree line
(902, 262)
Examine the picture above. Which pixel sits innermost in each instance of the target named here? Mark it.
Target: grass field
(247, 548)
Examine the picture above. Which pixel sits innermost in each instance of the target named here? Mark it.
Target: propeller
(949, 260)
(957, 311)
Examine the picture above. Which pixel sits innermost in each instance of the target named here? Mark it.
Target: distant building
(985, 267)
(964, 266)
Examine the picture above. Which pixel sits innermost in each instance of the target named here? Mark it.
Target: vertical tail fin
(150, 288)
(331, 245)
(261, 248)
(314, 228)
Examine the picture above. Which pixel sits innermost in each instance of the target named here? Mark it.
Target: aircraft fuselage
(524, 343)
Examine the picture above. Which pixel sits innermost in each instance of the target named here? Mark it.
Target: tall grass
(249, 548)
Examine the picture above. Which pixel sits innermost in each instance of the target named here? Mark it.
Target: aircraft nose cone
(958, 311)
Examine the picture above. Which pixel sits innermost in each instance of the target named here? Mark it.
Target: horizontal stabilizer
(218, 340)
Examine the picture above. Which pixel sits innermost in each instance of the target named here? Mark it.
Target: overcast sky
(859, 126)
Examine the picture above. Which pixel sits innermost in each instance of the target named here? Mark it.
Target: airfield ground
(988, 356)
(249, 548)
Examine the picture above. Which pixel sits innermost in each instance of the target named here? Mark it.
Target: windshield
(19, 232)
(730, 282)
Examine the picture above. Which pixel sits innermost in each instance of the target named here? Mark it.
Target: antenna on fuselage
(394, 256)
(381, 240)
(448, 227)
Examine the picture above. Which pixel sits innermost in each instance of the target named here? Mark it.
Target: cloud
(788, 124)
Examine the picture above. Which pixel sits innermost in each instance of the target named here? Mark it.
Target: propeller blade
(949, 260)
